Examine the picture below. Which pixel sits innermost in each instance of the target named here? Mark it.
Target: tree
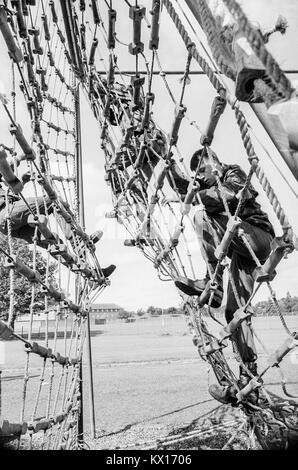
(288, 303)
(22, 287)
(151, 310)
(154, 310)
(140, 312)
(263, 307)
(172, 311)
(123, 315)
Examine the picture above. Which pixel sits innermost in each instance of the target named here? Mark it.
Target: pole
(81, 410)
(261, 114)
(81, 216)
(91, 383)
(77, 291)
(172, 72)
(276, 139)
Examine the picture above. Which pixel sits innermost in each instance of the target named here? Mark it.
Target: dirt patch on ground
(150, 389)
(224, 427)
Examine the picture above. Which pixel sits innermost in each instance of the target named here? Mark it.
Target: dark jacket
(233, 180)
(11, 197)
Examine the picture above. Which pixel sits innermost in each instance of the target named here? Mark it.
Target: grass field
(149, 380)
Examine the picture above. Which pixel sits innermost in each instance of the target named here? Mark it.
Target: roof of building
(105, 306)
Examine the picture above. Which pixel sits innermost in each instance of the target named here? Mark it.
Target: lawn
(148, 378)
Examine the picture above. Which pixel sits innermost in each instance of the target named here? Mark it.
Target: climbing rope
(279, 81)
(55, 49)
(165, 247)
(36, 38)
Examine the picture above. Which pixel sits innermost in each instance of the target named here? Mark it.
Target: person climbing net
(218, 182)
(235, 233)
(143, 162)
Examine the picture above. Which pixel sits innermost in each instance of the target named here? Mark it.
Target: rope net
(42, 205)
(155, 194)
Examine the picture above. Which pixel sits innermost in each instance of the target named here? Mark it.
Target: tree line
(151, 312)
(23, 300)
(22, 288)
(288, 305)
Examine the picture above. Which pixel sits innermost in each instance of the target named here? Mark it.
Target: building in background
(100, 313)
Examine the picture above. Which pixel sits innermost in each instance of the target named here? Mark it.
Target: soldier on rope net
(122, 109)
(259, 233)
(19, 212)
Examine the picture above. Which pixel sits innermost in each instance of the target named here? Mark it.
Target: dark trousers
(19, 213)
(242, 267)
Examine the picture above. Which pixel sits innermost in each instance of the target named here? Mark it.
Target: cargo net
(144, 168)
(40, 397)
(55, 45)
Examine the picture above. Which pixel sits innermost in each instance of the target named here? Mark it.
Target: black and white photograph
(149, 228)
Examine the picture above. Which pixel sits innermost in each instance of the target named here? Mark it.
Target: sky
(135, 284)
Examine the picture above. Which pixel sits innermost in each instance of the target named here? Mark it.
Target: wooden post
(278, 137)
(81, 408)
(81, 216)
(271, 123)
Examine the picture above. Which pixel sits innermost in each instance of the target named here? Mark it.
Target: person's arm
(234, 182)
(178, 179)
(212, 200)
(26, 176)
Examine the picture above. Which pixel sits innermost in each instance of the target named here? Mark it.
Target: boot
(79, 247)
(109, 270)
(244, 379)
(139, 241)
(42, 243)
(96, 236)
(223, 393)
(197, 287)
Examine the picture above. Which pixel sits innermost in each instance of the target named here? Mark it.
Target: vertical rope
(279, 82)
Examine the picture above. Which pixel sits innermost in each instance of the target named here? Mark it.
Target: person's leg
(241, 269)
(19, 216)
(208, 234)
(24, 233)
(206, 228)
(117, 183)
(242, 281)
(3, 224)
(242, 272)
(21, 211)
(149, 165)
(155, 153)
(209, 231)
(240, 288)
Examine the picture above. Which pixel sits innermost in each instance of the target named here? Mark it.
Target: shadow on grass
(208, 437)
(169, 413)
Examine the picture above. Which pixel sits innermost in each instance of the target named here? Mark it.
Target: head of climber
(208, 166)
